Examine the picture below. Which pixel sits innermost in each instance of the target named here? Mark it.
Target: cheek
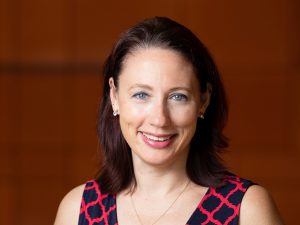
(131, 110)
(185, 117)
(131, 114)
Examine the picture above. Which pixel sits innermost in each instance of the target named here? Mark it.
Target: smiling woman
(159, 102)
(160, 125)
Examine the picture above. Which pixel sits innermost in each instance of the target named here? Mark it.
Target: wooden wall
(50, 58)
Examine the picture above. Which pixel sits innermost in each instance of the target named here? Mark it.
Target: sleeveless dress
(218, 206)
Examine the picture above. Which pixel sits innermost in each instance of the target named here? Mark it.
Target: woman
(160, 126)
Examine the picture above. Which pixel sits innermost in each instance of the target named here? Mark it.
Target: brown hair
(204, 165)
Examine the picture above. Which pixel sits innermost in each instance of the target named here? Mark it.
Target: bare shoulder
(68, 210)
(258, 207)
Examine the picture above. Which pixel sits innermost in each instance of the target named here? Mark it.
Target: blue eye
(179, 97)
(140, 95)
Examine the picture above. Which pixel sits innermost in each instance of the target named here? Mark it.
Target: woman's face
(158, 100)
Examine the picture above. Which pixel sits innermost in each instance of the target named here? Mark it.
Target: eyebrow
(145, 86)
(181, 88)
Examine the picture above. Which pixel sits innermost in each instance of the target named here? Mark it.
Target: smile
(157, 141)
(154, 138)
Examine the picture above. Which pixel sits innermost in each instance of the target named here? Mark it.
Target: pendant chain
(164, 213)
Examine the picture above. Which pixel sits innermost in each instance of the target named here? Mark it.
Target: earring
(202, 116)
(115, 113)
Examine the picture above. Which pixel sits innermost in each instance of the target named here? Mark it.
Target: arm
(258, 208)
(69, 208)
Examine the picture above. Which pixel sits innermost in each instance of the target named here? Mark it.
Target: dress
(218, 206)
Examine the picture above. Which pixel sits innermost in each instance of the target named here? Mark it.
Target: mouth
(157, 141)
(157, 138)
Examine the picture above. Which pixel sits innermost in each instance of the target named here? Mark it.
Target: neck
(154, 180)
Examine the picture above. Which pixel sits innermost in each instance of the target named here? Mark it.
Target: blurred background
(51, 54)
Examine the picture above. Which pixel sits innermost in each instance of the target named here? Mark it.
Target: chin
(160, 158)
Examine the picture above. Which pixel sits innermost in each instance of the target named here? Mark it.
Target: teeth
(156, 138)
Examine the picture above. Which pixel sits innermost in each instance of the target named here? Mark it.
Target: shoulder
(69, 208)
(258, 207)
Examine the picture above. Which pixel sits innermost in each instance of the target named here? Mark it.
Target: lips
(157, 140)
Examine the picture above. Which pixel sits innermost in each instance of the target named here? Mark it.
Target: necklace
(164, 213)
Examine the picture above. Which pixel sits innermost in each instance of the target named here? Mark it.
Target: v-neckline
(189, 219)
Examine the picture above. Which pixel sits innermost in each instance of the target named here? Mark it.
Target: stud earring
(202, 116)
(115, 113)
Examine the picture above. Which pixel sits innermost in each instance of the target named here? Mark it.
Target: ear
(113, 95)
(205, 99)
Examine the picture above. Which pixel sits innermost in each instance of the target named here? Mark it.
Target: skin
(158, 94)
(69, 208)
(258, 207)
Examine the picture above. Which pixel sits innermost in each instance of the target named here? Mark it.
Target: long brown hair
(204, 166)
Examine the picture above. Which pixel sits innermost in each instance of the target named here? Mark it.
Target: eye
(179, 97)
(140, 95)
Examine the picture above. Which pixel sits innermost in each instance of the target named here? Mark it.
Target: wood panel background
(50, 85)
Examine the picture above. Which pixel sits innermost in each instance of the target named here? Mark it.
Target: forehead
(157, 65)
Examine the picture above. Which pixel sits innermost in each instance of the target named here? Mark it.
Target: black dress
(218, 206)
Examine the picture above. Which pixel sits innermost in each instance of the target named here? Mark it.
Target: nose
(160, 115)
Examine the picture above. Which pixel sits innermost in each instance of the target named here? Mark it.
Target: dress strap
(97, 207)
(221, 205)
